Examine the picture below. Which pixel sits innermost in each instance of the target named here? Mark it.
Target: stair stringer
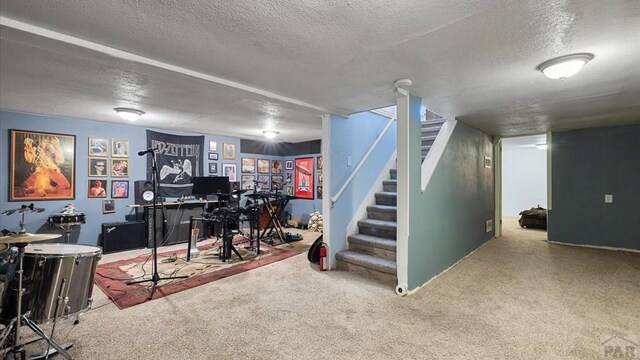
(370, 199)
(435, 153)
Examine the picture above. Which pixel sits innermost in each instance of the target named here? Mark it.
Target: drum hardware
(21, 240)
(155, 278)
(66, 220)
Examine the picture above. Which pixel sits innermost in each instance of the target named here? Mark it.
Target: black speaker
(120, 236)
(143, 190)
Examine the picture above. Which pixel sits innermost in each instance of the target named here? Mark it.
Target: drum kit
(43, 284)
(66, 220)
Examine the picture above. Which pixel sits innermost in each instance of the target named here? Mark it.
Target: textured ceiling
(239, 67)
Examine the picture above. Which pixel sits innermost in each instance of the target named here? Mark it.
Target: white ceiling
(239, 67)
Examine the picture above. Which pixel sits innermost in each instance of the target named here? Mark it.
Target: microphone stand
(155, 278)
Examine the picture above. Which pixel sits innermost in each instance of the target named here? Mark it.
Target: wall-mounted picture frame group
(41, 166)
(228, 151)
(303, 178)
(248, 166)
(98, 147)
(119, 148)
(120, 189)
(97, 188)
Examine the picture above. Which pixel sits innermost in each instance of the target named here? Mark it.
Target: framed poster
(288, 165)
(97, 188)
(276, 182)
(319, 162)
(288, 190)
(303, 178)
(230, 171)
(213, 168)
(213, 146)
(248, 165)
(213, 156)
(264, 183)
(263, 166)
(108, 206)
(120, 189)
(97, 167)
(247, 182)
(120, 148)
(319, 184)
(276, 167)
(98, 147)
(120, 167)
(41, 166)
(228, 151)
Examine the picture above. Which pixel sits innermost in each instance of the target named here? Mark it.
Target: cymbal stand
(17, 351)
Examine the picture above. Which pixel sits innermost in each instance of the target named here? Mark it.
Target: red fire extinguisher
(323, 257)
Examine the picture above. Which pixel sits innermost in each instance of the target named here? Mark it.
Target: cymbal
(26, 238)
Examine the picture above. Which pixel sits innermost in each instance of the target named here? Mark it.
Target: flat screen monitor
(210, 185)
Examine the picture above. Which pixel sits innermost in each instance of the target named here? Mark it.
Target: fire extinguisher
(323, 257)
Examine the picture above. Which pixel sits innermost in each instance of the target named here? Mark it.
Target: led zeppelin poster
(304, 178)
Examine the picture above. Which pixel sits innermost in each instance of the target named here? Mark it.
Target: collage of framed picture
(108, 158)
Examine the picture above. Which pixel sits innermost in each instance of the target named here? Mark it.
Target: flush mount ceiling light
(129, 114)
(270, 134)
(565, 66)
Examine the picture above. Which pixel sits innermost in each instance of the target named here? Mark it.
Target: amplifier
(120, 236)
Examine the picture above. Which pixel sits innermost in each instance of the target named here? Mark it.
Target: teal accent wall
(586, 165)
(448, 219)
(352, 137)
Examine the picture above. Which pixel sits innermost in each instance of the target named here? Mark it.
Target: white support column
(402, 250)
(497, 180)
(326, 199)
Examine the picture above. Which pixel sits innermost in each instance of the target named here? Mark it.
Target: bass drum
(60, 269)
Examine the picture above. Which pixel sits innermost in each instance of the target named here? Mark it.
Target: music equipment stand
(155, 278)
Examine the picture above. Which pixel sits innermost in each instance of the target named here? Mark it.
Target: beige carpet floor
(518, 297)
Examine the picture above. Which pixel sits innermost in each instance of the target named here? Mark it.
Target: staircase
(372, 251)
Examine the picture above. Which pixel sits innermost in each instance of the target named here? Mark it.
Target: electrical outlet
(608, 199)
(489, 225)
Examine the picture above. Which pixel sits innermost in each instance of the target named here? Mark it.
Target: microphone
(148, 151)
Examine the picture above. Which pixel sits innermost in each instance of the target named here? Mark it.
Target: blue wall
(352, 137)
(586, 165)
(89, 233)
(448, 219)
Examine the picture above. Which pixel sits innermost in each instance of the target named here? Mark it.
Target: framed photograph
(288, 165)
(120, 148)
(319, 184)
(120, 189)
(288, 190)
(276, 182)
(247, 182)
(319, 162)
(108, 206)
(97, 188)
(230, 171)
(263, 166)
(120, 167)
(228, 151)
(42, 166)
(248, 165)
(213, 146)
(276, 166)
(98, 167)
(234, 185)
(98, 147)
(264, 183)
(303, 178)
(213, 156)
(289, 178)
(213, 168)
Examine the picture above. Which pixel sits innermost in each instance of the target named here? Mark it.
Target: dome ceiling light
(565, 66)
(129, 114)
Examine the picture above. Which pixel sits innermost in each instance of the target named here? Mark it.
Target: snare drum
(59, 269)
(67, 219)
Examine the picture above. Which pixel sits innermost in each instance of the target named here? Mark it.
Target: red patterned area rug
(112, 277)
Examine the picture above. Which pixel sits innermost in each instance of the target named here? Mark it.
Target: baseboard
(595, 246)
(450, 267)
(370, 199)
